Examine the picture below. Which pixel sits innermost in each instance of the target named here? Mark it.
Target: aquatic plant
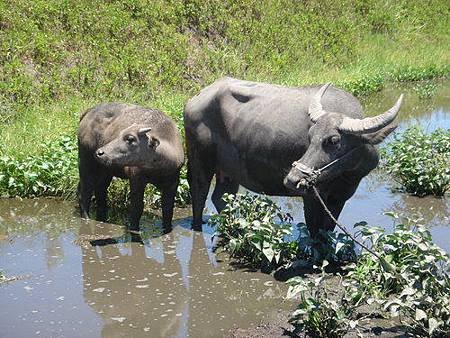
(426, 89)
(415, 287)
(419, 161)
(253, 228)
(336, 248)
(368, 83)
(53, 172)
(321, 312)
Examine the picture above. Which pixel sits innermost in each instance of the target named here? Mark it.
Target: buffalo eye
(130, 139)
(334, 140)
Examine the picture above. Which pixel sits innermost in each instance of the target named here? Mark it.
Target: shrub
(53, 172)
(419, 162)
(335, 248)
(425, 90)
(416, 73)
(419, 286)
(416, 286)
(365, 84)
(253, 229)
(320, 313)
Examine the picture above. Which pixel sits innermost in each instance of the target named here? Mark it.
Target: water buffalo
(272, 139)
(128, 141)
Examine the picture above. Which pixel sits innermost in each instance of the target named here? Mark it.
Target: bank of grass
(57, 58)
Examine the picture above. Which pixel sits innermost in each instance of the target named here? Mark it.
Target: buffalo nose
(100, 153)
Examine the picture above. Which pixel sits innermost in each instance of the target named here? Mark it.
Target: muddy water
(83, 278)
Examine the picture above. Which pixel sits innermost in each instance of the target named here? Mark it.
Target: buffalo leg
(201, 164)
(315, 216)
(168, 201)
(101, 192)
(199, 182)
(223, 186)
(87, 171)
(137, 188)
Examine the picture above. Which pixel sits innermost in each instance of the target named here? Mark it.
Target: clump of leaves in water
(321, 311)
(419, 286)
(419, 162)
(254, 229)
(52, 172)
(416, 285)
(336, 248)
(425, 90)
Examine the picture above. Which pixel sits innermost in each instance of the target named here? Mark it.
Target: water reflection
(169, 286)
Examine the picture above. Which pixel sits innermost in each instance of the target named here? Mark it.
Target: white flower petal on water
(118, 319)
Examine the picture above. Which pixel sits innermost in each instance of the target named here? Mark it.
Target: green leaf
(420, 314)
(433, 324)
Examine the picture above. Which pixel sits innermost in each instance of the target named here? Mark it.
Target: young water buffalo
(252, 133)
(131, 142)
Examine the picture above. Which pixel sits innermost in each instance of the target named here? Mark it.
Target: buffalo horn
(315, 107)
(370, 124)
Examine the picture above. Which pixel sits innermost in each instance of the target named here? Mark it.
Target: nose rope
(384, 264)
(313, 174)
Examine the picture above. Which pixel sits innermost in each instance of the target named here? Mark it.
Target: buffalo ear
(380, 135)
(153, 142)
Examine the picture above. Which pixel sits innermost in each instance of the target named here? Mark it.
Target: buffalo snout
(296, 180)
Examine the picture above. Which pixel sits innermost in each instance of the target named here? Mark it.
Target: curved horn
(315, 107)
(370, 124)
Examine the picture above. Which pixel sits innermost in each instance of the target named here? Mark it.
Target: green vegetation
(60, 57)
(416, 288)
(404, 275)
(321, 311)
(419, 161)
(253, 229)
(52, 172)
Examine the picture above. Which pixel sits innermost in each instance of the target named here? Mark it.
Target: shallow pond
(83, 278)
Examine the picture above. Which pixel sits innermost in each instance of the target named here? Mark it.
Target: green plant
(426, 90)
(321, 311)
(253, 228)
(418, 287)
(48, 173)
(419, 161)
(336, 248)
(365, 84)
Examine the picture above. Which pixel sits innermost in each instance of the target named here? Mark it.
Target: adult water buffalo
(128, 141)
(272, 139)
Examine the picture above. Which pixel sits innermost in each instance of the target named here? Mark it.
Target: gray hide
(132, 142)
(250, 134)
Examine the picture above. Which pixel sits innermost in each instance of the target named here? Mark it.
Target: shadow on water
(95, 279)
